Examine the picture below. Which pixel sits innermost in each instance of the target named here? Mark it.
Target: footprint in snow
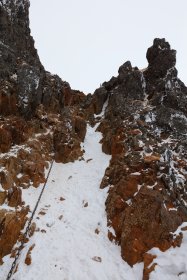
(89, 159)
(50, 224)
(60, 217)
(97, 259)
(97, 231)
(42, 213)
(85, 203)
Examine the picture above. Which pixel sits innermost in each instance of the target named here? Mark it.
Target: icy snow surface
(70, 249)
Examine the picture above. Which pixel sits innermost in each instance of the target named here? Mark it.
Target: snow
(150, 117)
(168, 85)
(141, 143)
(14, 150)
(14, 77)
(162, 48)
(143, 83)
(103, 110)
(75, 207)
(25, 99)
(2, 44)
(135, 173)
(172, 264)
(37, 81)
(151, 187)
(180, 116)
(1, 189)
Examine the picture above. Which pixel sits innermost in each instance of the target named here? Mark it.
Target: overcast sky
(85, 41)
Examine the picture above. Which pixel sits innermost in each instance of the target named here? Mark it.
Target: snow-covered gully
(71, 242)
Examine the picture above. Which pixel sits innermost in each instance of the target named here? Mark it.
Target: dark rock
(80, 128)
(124, 70)
(67, 138)
(99, 98)
(5, 140)
(24, 84)
(160, 58)
(111, 84)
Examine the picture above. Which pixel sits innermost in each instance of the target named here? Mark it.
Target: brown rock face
(147, 224)
(14, 197)
(80, 128)
(14, 131)
(11, 224)
(35, 170)
(8, 103)
(6, 180)
(28, 259)
(142, 127)
(148, 268)
(5, 140)
(68, 134)
(2, 197)
(27, 163)
(40, 115)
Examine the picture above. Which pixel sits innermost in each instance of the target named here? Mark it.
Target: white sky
(85, 41)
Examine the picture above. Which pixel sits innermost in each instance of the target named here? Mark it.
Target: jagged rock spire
(161, 58)
(24, 83)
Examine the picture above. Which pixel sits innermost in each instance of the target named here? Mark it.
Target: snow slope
(68, 248)
(172, 264)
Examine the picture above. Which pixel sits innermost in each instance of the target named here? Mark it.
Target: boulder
(147, 224)
(5, 140)
(14, 197)
(3, 196)
(6, 180)
(67, 138)
(80, 128)
(11, 224)
(161, 58)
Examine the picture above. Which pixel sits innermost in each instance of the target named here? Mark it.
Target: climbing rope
(28, 226)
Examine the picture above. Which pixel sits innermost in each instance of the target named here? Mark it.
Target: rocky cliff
(24, 82)
(40, 118)
(144, 127)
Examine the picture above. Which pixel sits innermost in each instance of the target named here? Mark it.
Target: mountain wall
(144, 129)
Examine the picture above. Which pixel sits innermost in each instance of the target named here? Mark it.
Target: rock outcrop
(144, 128)
(11, 224)
(24, 84)
(67, 137)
